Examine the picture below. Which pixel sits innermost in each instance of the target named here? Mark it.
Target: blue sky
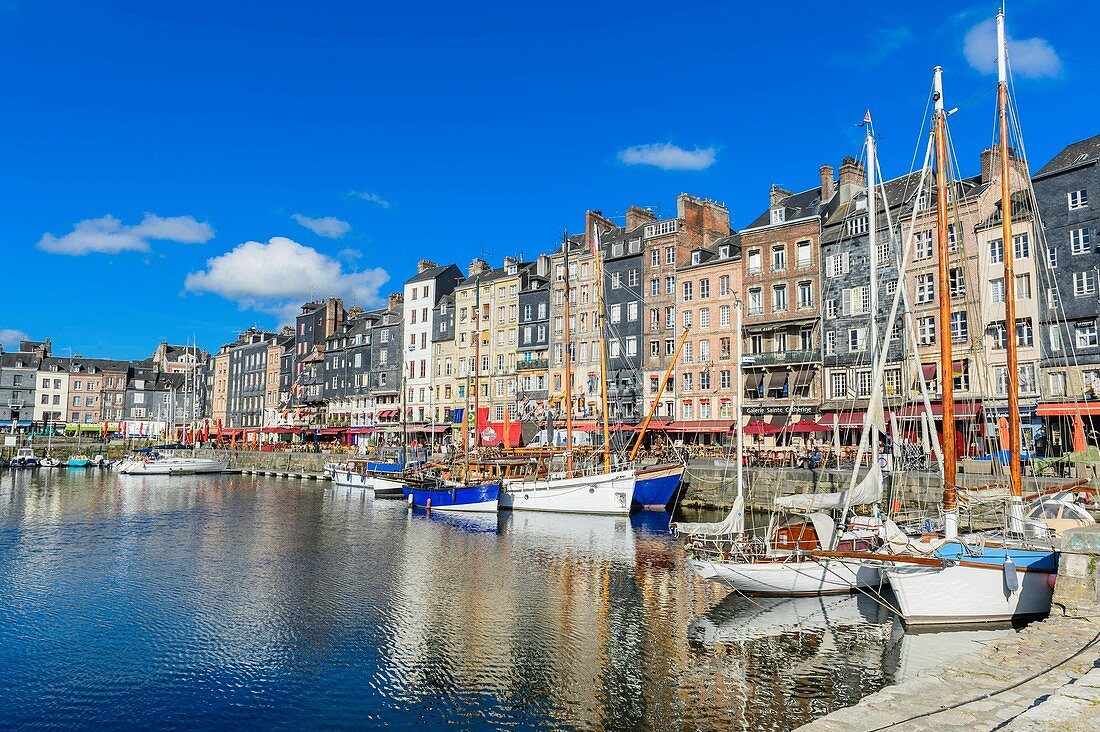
(186, 170)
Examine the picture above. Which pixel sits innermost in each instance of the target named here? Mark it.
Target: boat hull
(793, 578)
(474, 498)
(655, 487)
(605, 493)
(78, 463)
(974, 591)
(379, 484)
(173, 466)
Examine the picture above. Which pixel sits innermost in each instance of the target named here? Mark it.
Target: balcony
(782, 357)
(534, 364)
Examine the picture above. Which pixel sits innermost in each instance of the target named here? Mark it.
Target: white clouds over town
(10, 337)
(327, 226)
(667, 156)
(108, 235)
(1031, 58)
(272, 276)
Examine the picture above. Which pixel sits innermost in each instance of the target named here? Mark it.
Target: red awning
(759, 427)
(280, 430)
(1067, 409)
(962, 409)
(361, 430)
(805, 427)
(332, 430)
(842, 419)
(928, 370)
(713, 426)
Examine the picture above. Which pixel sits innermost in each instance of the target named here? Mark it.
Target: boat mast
(872, 228)
(568, 364)
(597, 251)
(657, 398)
(1010, 286)
(947, 384)
(740, 382)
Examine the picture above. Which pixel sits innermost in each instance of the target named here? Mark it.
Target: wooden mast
(477, 356)
(657, 398)
(947, 384)
(597, 252)
(568, 364)
(1010, 282)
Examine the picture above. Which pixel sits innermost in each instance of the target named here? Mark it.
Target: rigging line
(1013, 685)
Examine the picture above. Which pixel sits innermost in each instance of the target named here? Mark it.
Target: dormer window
(511, 269)
(695, 257)
(724, 251)
(779, 215)
(617, 248)
(857, 226)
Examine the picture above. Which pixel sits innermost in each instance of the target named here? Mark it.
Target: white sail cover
(734, 523)
(869, 490)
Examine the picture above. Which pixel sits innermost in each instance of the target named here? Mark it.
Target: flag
(867, 117)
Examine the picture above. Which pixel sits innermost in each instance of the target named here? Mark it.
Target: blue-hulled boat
(454, 497)
(655, 486)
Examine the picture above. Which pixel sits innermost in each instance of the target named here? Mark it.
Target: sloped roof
(1077, 153)
(432, 272)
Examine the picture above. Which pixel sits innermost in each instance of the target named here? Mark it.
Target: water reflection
(186, 603)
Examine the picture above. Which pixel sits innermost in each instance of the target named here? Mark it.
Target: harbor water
(233, 602)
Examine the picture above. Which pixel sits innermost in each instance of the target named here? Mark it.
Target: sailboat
(988, 577)
(572, 490)
(783, 561)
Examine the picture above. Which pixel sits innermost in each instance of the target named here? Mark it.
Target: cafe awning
(802, 377)
(776, 379)
(849, 420)
(752, 381)
(1067, 409)
(709, 426)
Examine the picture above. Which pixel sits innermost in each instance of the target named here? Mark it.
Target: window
(779, 298)
(688, 319)
(996, 251)
(670, 318)
(1084, 283)
(616, 313)
(922, 244)
(857, 339)
(632, 311)
(1078, 199)
(998, 334)
(882, 251)
(655, 286)
(670, 285)
(804, 256)
(654, 348)
(654, 319)
(1079, 241)
(670, 255)
(779, 258)
(704, 318)
(632, 278)
(1000, 380)
(688, 287)
(654, 258)
(704, 288)
(855, 300)
(806, 339)
(839, 385)
(723, 285)
(830, 308)
(863, 383)
(805, 295)
(724, 316)
(959, 330)
(926, 330)
(926, 288)
(616, 280)
(670, 347)
(704, 357)
(997, 290)
(1056, 383)
(756, 301)
(1021, 246)
(1056, 338)
(754, 266)
(836, 265)
(779, 215)
(781, 341)
(952, 238)
(830, 343)
(1026, 380)
(1052, 258)
(857, 226)
(724, 379)
(1023, 287)
(1085, 334)
(724, 348)
(957, 282)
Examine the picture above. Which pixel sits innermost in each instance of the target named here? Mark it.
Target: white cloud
(276, 276)
(108, 235)
(371, 197)
(666, 156)
(328, 226)
(1032, 58)
(10, 337)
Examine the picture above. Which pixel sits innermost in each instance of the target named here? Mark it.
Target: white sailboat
(781, 563)
(605, 491)
(953, 579)
(169, 465)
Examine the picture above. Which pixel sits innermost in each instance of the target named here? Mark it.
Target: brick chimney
(395, 301)
(636, 216)
(478, 266)
(853, 178)
(425, 264)
(776, 195)
(991, 167)
(827, 183)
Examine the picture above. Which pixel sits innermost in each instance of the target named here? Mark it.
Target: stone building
(532, 365)
(781, 260)
(52, 395)
(385, 339)
(423, 293)
(623, 300)
(18, 371)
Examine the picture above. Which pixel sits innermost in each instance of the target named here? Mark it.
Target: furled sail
(869, 490)
(732, 524)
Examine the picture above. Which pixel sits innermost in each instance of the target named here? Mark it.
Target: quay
(1044, 678)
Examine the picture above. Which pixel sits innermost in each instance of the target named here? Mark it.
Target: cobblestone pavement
(983, 690)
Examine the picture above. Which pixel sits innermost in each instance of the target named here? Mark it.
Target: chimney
(826, 182)
(853, 178)
(991, 167)
(478, 266)
(395, 301)
(425, 264)
(776, 194)
(636, 216)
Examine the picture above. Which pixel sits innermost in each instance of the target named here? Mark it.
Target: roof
(433, 272)
(797, 205)
(1021, 207)
(1083, 152)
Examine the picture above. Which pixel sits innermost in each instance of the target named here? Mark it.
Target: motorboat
(79, 461)
(25, 458)
(478, 497)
